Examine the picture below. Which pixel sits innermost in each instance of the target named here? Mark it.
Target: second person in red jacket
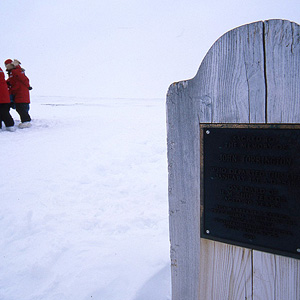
(19, 87)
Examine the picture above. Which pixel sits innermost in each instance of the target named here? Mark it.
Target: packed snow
(84, 209)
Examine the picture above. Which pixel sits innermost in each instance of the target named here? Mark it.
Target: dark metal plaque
(250, 186)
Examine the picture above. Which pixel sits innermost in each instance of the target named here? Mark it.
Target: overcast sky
(121, 48)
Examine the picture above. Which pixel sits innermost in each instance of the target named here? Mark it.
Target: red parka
(18, 84)
(4, 95)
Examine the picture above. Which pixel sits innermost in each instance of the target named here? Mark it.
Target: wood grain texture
(277, 277)
(226, 271)
(282, 44)
(183, 186)
(230, 84)
(230, 88)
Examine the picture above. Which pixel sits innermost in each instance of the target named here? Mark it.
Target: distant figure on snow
(18, 85)
(5, 105)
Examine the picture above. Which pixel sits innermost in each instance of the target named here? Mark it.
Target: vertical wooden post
(236, 83)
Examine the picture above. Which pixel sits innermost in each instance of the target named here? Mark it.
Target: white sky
(121, 48)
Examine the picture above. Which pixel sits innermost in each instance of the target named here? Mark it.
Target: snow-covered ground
(84, 210)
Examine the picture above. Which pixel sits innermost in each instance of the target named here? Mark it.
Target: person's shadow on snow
(158, 287)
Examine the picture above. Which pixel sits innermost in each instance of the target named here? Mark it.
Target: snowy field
(84, 209)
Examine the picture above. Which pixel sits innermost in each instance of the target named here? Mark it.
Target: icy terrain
(84, 211)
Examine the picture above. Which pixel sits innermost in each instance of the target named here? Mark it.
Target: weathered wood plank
(277, 277)
(282, 44)
(237, 93)
(229, 87)
(226, 271)
(183, 180)
(230, 84)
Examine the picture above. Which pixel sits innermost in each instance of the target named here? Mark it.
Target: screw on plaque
(207, 231)
(298, 250)
(207, 131)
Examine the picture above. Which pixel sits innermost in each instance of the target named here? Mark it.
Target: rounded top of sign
(250, 74)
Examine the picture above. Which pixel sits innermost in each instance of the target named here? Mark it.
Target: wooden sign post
(233, 178)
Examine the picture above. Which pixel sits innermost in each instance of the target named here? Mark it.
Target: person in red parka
(19, 87)
(5, 105)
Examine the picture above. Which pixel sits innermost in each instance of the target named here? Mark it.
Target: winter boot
(11, 128)
(24, 125)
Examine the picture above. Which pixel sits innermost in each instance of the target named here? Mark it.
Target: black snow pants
(5, 115)
(22, 109)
